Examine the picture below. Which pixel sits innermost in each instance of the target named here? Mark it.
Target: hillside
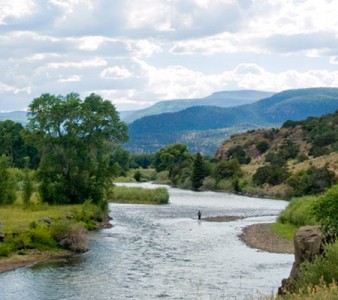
(294, 149)
(150, 133)
(219, 99)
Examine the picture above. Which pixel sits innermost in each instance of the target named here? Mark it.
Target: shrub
(91, 213)
(7, 182)
(325, 210)
(322, 271)
(273, 175)
(5, 249)
(209, 183)
(311, 181)
(72, 236)
(262, 147)
(137, 176)
(41, 237)
(298, 212)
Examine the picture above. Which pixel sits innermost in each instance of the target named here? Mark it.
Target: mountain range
(219, 99)
(202, 127)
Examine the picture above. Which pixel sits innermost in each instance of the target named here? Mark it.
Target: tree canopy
(74, 139)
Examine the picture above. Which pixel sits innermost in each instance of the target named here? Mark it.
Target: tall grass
(140, 195)
(298, 212)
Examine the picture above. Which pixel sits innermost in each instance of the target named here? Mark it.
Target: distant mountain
(125, 113)
(150, 133)
(16, 116)
(219, 99)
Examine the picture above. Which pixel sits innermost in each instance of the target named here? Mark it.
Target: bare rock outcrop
(308, 243)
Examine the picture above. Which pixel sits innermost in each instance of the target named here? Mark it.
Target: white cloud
(147, 50)
(115, 73)
(73, 78)
(15, 8)
(95, 62)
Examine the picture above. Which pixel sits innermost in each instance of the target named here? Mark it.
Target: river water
(163, 252)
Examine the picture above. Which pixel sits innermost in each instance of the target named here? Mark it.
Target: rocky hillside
(288, 157)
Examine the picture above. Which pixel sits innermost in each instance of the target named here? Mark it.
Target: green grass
(137, 195)
(298, 212)
(31, 227)
(16, 217)
(286, 231)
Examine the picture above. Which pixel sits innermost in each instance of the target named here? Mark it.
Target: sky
(135, 53)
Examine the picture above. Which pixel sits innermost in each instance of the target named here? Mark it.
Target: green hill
(219, 99)
(150, 133)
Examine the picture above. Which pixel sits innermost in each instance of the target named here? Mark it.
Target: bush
(298, 212)
(312, 181)
(41, 237)
(5, 249)
(209, 183)
(322, 271)
(91, 213)
(72, 236)
(7, 183)
(262, 147)
(325, 211)
(273, 175)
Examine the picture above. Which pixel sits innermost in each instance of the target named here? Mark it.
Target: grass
(26, 229)
(286, 231)
(14, 217)
(318, 292)
(137, 195)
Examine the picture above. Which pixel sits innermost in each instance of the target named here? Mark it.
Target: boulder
(308, 243)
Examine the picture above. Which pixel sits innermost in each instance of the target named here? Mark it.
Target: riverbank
(17, 261)
(259, 236)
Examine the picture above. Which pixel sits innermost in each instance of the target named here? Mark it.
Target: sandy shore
(258, 236)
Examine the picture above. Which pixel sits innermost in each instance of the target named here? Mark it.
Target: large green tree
(173, 158)
(13, 146)
(74, 139)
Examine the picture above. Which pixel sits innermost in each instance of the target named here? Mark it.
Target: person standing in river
(199, 214)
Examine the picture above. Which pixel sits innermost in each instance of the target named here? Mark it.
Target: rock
(47, 220)
(308, 243)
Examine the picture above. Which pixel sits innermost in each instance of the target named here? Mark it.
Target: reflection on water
(155, 252)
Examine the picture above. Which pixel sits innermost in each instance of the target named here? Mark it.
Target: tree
(273, 175)
(74, 139)
(13, 146)
(173, 158)
(227, 169)
(121, 157)
(7, 184)
(198, 172)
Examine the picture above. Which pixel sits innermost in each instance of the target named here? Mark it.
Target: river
(163, 252)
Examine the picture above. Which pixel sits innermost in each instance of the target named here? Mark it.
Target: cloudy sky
(137, 52)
